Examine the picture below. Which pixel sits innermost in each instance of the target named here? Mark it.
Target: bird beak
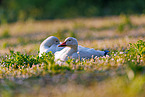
(62, 45)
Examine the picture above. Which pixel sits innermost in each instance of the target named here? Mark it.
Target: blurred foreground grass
(119, 74)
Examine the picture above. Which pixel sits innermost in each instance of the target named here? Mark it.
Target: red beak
(62, 45)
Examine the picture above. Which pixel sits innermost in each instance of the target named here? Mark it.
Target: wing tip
(106, 52)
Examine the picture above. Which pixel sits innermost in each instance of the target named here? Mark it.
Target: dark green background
(13, 10)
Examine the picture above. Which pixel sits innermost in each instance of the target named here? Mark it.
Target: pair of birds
(69, 48)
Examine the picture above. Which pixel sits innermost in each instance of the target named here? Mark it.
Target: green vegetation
(125, 24)
(5, 45)
(5, 34)
(15, 10)
(127, 67)
(121, 73)
(133, 56)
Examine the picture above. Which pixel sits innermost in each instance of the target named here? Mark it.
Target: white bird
(72, 50)
(50, 44)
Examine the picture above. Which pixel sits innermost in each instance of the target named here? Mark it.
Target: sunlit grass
(121, 73)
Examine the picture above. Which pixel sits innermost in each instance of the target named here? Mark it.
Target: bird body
(72, 50)
(69, 48)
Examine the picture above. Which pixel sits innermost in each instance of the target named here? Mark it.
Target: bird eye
(69, 40)
(56, 41)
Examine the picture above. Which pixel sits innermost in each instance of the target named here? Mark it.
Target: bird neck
(70, 50)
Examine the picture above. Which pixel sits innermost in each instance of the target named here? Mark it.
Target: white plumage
(50, 44)
(72, 50)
